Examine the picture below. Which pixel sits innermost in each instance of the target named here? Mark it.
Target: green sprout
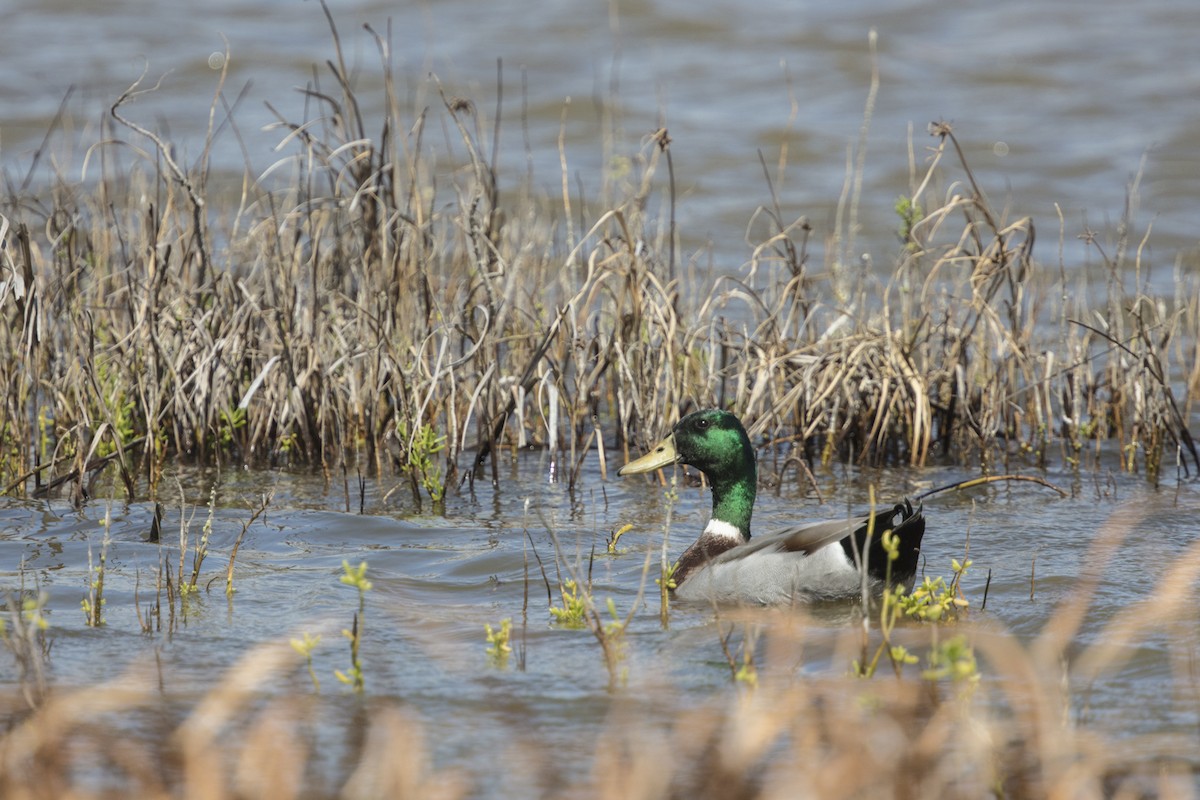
(418, 460)
(356, 577)
(953, 659)
(499, 648)
(667, 581)
(305, 647)
(191, 586)
(31, 610)
(579, 610)
(910, 214)
(31, 616)
(427, 445)
(93, 604)
(743, 668)
(612, 642)
(933, 601)
(289, 442)
(747, 671)
(231, 422)
(574, 606)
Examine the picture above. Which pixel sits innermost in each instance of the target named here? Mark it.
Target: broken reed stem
(259, 510)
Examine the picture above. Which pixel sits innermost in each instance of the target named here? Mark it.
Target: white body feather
(772, 577)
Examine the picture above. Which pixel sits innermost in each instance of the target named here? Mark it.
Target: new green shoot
(499, 648)
(356, 577)
(574, 606)
(305, 647)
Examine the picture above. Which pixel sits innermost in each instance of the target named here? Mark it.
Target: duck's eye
(702, 424)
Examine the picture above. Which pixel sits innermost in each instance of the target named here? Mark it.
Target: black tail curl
(908, 523)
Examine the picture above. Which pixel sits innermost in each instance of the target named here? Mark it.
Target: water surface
(1059, 106)
(438, 579)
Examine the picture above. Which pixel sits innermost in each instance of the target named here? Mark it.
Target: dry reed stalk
(372, 285)
(823, 735)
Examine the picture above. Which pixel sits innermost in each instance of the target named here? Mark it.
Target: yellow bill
(663, 455)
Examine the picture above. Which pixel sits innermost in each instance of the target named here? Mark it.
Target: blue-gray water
(1057, 104)
(438, 579)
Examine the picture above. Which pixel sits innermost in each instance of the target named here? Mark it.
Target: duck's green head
(713, 441)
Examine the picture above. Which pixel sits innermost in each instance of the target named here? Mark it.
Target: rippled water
(438, 579)
(1057, 104)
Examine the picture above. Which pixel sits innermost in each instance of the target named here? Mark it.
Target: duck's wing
(808, 538)
(797, 564)
(802, 539)
(815, 560)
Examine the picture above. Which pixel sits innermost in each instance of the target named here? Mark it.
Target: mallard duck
(811, 561)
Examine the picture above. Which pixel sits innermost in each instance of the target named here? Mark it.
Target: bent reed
(373, 303)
